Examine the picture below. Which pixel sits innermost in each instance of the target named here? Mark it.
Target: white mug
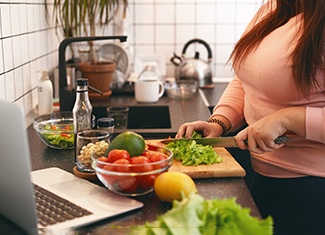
(148, 91)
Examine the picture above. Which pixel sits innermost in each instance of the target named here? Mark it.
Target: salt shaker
(107, 124)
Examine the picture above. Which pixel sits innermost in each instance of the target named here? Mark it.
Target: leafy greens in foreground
(196, 216)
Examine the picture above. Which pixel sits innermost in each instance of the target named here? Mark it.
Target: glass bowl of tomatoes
(132, 176)
(55, 129)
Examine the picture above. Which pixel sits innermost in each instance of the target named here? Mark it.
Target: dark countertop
(43, 157)
(181, 111)
(213, 95)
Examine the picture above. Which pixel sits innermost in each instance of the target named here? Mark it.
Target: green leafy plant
(82, 17)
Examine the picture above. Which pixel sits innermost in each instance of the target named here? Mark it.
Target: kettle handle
(198, 41)
(176, 60)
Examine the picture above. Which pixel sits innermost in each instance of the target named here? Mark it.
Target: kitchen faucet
(67, 97)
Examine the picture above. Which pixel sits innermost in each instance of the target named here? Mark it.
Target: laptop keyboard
(52, 209)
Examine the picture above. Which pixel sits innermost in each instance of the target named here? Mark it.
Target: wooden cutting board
(229, 167)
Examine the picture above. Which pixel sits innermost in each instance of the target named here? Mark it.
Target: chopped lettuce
(196, 135)
(192, 154)
(196, 216)
(60, 140)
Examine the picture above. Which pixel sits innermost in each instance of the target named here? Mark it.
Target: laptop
(17, 201)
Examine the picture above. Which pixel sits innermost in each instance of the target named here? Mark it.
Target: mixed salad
(63, 138)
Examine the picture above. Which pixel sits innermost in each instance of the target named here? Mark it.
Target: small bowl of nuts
(90, 144)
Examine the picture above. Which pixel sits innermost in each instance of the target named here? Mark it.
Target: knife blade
(228, 142)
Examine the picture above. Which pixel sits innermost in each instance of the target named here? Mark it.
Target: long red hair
(309, 55)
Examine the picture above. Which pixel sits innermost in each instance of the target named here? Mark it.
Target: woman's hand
(207, 129)
(260, 135)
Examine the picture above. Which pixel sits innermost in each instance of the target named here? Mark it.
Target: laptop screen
(16, 197)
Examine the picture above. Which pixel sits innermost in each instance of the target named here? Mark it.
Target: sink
(148, 117)
(142, 117)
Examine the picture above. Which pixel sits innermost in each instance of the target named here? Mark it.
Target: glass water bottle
(82, 111)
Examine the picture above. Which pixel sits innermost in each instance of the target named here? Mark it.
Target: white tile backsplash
(205, 13)
(7, 53)
(147, 14)
(225, 13)
(18, 80)
(184, 33)
(185, 14)
(10, 86)
(165, 14)
(5, 20)
(164, 34)
(206, 32)
(244, 12)
(29, 43)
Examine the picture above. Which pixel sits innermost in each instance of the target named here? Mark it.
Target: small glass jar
(90, 144)
(108, 125)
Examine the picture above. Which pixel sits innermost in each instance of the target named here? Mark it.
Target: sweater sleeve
(231, 104)
(315, 124)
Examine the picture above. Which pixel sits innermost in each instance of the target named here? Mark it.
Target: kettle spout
(176, 60)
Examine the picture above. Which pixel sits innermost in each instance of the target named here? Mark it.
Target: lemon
(171, 186)
(129, 141)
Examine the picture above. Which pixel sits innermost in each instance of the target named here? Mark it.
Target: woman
(279, 88)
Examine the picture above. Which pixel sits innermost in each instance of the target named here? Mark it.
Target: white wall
(29, 44)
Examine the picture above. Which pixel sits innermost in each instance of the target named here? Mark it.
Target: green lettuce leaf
(196, 216)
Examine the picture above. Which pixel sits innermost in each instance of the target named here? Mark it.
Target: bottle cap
(82, 82)
(45, 75)
(105, 122)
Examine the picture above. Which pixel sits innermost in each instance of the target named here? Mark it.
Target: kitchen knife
(228, 142)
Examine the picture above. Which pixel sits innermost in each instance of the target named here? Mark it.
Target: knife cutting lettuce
(191, 153)
(196, 216)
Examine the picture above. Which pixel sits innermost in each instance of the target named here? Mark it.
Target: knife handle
(279, 140)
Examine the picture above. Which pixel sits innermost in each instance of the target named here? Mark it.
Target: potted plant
(77, 18)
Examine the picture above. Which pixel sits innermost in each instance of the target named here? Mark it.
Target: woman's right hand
(207, 129)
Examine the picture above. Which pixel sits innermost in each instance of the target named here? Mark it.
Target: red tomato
(108, 167)
(157, 157)
(107, 179)
(117, 154)
(127, 184)
(101, 159)
(66, 135)
(147, 154)
(155, 146)
(141, 164)
(121, 165)
(147, 181)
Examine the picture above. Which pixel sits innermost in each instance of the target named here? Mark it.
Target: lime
(171, 186)
(129, 141)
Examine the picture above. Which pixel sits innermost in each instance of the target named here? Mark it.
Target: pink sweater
(264, 84)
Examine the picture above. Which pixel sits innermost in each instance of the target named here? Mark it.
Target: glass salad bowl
(55, 129)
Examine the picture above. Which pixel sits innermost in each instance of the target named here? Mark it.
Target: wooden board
(229, 167)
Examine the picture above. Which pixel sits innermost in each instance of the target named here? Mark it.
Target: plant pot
(99, 76)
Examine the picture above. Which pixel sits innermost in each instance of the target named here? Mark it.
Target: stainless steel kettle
(194, 68)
